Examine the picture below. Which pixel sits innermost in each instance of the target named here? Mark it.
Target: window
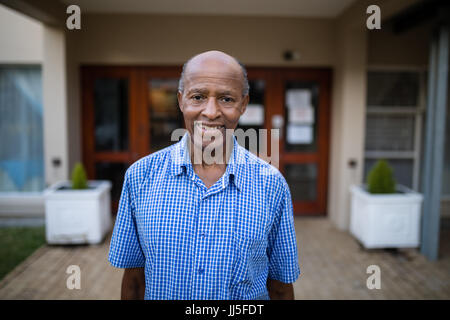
(21, 132)
(394, 121)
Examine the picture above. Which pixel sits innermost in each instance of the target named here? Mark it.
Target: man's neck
(211, 172)
(213, 163)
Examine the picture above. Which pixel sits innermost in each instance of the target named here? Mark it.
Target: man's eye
(197, 97)
(227, 99)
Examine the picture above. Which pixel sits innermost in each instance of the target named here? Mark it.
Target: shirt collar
(181, 159)
(179, 156)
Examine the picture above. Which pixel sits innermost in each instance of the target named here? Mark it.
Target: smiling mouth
(204, 127)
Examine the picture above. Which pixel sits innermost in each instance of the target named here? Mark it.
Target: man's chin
(208, 141)
(211, 144)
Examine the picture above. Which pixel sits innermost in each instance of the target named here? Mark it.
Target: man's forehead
(213, 76)
(217, 81)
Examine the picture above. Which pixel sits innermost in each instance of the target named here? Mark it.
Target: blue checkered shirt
(194, 242)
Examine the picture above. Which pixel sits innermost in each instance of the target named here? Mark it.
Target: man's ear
(245, 101)
(180, 99)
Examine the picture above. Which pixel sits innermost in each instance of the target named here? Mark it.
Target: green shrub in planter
(79, 179)
(380, 178)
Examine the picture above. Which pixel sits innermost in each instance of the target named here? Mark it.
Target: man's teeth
(211, 127)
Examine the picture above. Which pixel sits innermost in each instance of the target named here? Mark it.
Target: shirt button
(201, 271)
(203, 235)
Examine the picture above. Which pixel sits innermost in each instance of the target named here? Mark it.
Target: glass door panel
(165, 115)
(301, 114)
(253, 118)
(111, 114)
(302, 181)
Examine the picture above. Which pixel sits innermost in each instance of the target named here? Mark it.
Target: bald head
(216, 60)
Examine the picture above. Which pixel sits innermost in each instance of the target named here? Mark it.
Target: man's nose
(211, 110)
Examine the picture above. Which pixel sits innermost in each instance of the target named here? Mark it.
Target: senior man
(190, 229)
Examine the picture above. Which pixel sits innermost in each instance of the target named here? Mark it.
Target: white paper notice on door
(253, 115)
(299, 134)
(301, 115)
(296, 98)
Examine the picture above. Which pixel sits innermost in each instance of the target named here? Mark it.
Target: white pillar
(348, 121)
(55, 105)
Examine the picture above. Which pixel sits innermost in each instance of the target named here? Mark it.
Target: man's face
(212, 99)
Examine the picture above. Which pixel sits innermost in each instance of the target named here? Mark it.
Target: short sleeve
(282, 244)
(125, 250)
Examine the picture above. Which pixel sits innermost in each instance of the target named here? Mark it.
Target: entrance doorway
(130, 112)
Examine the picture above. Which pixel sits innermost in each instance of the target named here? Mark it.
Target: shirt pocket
(250, 261)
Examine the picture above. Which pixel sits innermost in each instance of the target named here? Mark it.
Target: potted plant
(385, 214)
(77, 211)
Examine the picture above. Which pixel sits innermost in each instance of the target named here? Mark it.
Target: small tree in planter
(385, 214)
(79, 179)
(77, 211)
(381, 178)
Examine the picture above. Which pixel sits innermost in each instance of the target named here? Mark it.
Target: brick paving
(332, 262)
(334, 265)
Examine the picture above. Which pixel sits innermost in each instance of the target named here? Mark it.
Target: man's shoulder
(150, 164)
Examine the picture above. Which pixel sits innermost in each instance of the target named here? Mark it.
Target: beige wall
(150, 39)
(20, 38)
(348, 114)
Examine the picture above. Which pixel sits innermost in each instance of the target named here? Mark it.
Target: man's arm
(133, 284)
(279, 290)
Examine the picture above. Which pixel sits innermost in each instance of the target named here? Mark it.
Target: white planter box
(77, 216)
(386, 220)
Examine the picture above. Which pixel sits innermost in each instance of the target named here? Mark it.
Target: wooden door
(130, 112)
(109, 124)
(303, 128)
(159, 114)
(302, 101)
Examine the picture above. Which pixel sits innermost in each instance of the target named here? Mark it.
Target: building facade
(342, 95)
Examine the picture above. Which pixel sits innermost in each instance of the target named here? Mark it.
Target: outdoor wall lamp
(290, 55)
